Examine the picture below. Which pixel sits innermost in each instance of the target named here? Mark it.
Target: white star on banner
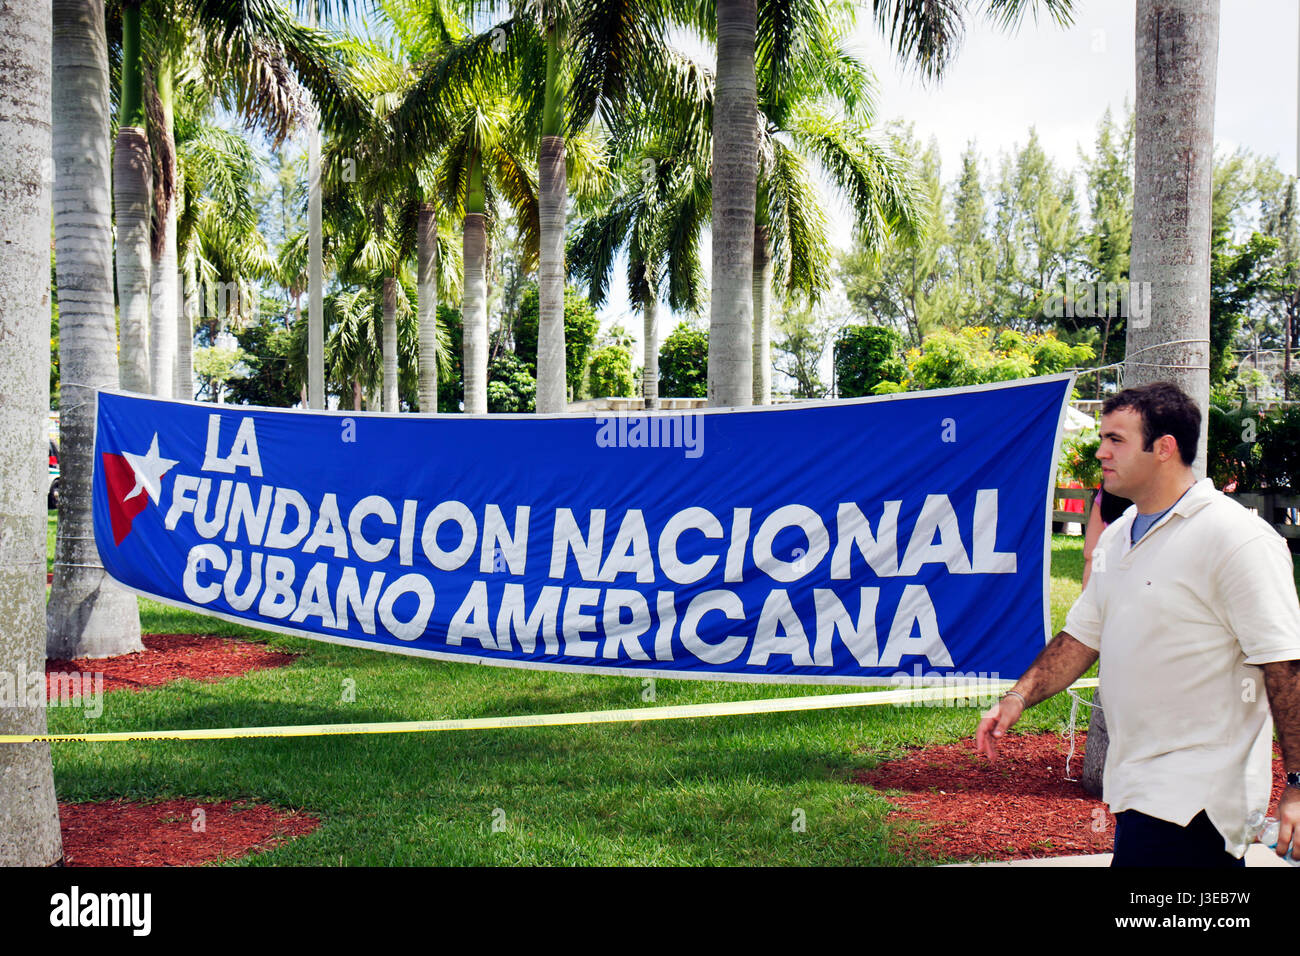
(149, 470)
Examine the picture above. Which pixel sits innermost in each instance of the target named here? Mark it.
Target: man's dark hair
(1165, 409)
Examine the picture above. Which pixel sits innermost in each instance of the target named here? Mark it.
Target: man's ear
(1166, 447)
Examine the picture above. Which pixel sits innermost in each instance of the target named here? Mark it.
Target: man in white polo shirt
(1192, 606)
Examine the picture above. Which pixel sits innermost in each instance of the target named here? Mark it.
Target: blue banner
(845, 542)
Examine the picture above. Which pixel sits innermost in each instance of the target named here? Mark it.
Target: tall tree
(909, 284)
(132, 201)
(29, 819)
(87, 614)
(925, 34)
(659, 210)
(1110, 194)
(1177, 60)
(552, 195)
(1038, 233)
(735, 185)
(1177, 65)
(572, 63)
(163, 276)
(814, 103)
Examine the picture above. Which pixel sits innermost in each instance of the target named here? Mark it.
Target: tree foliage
(684, 363)
(865, 356)
(511, 386)
(580, 328)
(977, 354)
(270, 380)
(609, 373)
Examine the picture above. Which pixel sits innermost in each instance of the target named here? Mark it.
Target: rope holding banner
(1075, 701)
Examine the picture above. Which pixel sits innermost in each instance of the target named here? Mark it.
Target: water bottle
(1264, 829)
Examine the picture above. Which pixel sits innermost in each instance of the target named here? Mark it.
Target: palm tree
(658, 213)
(658, 216)
(814, 104)
(132, 187)
(255, 56)
(1171, 226)
(164, 314)
(399, 182)
(359, 323)
(574, 62)
(925, 34)
(87, 614)
(29, 822)
(222, 250)
(735, 184)
(483, 164)
(217, 238)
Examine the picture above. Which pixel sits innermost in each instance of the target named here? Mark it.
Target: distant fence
(1279, 509)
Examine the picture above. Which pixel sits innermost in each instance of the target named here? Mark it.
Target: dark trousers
(1142, 840)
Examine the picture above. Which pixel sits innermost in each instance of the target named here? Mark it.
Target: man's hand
(1288, 822)
(1282, 682)
(1055, 668)
(998, 719)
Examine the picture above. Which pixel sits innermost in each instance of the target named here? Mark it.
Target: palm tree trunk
(762, 292)
(735, 174)
(390, 344)
(87, 615)
(163, 325)
(426, 241)
(650, 367)
(474, 314)
(315, 264)
(29, 815)
(552, 193)
(189, 311)
(132, 201)
(1177, 62)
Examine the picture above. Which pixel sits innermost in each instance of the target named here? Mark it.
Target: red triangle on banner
(119, 479)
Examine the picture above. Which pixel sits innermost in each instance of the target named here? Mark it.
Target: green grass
(683, 792)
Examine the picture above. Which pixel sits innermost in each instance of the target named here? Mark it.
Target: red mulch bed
(116, 833)
(163, 834)
(1021, 806)
(169, 657)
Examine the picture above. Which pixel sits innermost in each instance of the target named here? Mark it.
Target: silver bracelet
(1023, 703)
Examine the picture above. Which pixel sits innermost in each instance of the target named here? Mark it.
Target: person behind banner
(1192, 599)
(1107, 508)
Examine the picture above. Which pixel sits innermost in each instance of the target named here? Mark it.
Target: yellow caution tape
(775, 705)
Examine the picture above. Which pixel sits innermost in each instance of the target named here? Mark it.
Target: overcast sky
(1061, 80)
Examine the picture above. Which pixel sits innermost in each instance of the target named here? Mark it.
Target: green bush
(1079, 460)
(266, 345)
(580, 328)
(510, 386)
(609, 375)
(950, 358)
(1279, 447)
(1259, 451)
(684, 363)
(865, 356)
(451, 384)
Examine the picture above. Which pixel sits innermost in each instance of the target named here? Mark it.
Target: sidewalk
(1257, 855)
